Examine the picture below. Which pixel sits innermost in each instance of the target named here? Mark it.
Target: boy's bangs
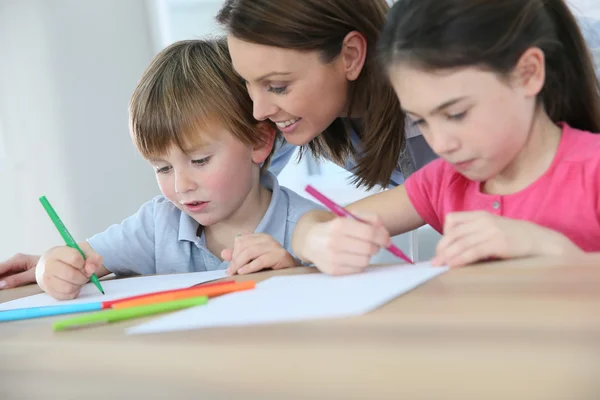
(156, 131)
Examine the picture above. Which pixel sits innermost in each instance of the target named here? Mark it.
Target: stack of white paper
(297, 298)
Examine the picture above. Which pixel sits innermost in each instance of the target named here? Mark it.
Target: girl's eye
(163, 170)
(202, 161)
(457, 117)
(278, 90)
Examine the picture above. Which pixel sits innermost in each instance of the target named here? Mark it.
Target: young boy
(191, 118)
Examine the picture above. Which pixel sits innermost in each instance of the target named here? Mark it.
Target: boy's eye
(201, 161)
(278, 90)
(163, 170)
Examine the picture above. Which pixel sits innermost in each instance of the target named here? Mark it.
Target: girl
(505, 93)
(310, 67)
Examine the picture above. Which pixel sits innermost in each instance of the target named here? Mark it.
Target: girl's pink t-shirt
(566, 198)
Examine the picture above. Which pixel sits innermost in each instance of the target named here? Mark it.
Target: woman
(310, 67)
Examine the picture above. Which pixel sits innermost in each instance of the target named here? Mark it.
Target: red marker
(342, 212)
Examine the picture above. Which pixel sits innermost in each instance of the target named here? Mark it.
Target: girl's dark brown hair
(435, 34)
(322, 25)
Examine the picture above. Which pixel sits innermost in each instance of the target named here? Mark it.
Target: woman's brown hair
(322, 25)
(190, 86)
(435, 34)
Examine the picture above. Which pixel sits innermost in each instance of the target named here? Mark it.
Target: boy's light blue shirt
(161, 239)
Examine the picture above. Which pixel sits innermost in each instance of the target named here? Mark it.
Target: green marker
(62, 229)
(120, 314)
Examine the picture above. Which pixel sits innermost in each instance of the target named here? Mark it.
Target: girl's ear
(261, 151)
(531, 71)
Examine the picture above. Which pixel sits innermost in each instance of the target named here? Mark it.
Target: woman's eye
(418, 122)
(278, 90)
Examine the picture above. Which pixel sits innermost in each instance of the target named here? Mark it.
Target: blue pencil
(47, 311)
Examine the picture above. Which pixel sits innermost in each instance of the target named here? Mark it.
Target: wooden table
(526, 329)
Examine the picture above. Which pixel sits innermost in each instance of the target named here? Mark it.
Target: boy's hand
(18, 270)
(254, 252)
(62, 271)
(477, 235)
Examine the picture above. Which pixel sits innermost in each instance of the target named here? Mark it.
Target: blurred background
(67, 70)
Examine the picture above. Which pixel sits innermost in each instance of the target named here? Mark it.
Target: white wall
(67, 71)
(174, 20)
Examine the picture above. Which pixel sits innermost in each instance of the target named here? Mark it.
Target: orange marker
(209, 291)
(111, 303)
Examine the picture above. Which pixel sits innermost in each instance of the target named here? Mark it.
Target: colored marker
(62, 229)
(111, 303)
(342, 212)
(62, 309)
(47, 311)
(107, 316)
(211, 291)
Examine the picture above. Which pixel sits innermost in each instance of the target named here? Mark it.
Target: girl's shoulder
(580, 147)
(440, 175)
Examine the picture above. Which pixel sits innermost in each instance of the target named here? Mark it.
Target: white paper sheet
(119, 288)
(298, 298)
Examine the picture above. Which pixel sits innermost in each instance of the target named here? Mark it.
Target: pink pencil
(342, 212)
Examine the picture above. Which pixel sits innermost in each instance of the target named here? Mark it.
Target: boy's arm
(128, 248)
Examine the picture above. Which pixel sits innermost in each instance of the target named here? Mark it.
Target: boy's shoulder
(160, 213)
(159, 207)
(285, 200)
(161, 203)
(297, 204)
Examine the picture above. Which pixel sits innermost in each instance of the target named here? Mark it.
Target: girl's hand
(478, 235)
(345, 246)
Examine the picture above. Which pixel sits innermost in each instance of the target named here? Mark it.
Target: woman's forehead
(255, 61)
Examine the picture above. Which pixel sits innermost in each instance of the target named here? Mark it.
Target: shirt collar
(272, 223)
(275, 219)
(188, 228)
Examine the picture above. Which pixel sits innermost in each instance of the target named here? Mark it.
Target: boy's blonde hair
(190, 86)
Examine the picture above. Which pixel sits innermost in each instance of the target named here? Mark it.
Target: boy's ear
(261, 151)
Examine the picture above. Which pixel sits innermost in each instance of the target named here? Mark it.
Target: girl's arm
(395, 209)
(344, 245)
